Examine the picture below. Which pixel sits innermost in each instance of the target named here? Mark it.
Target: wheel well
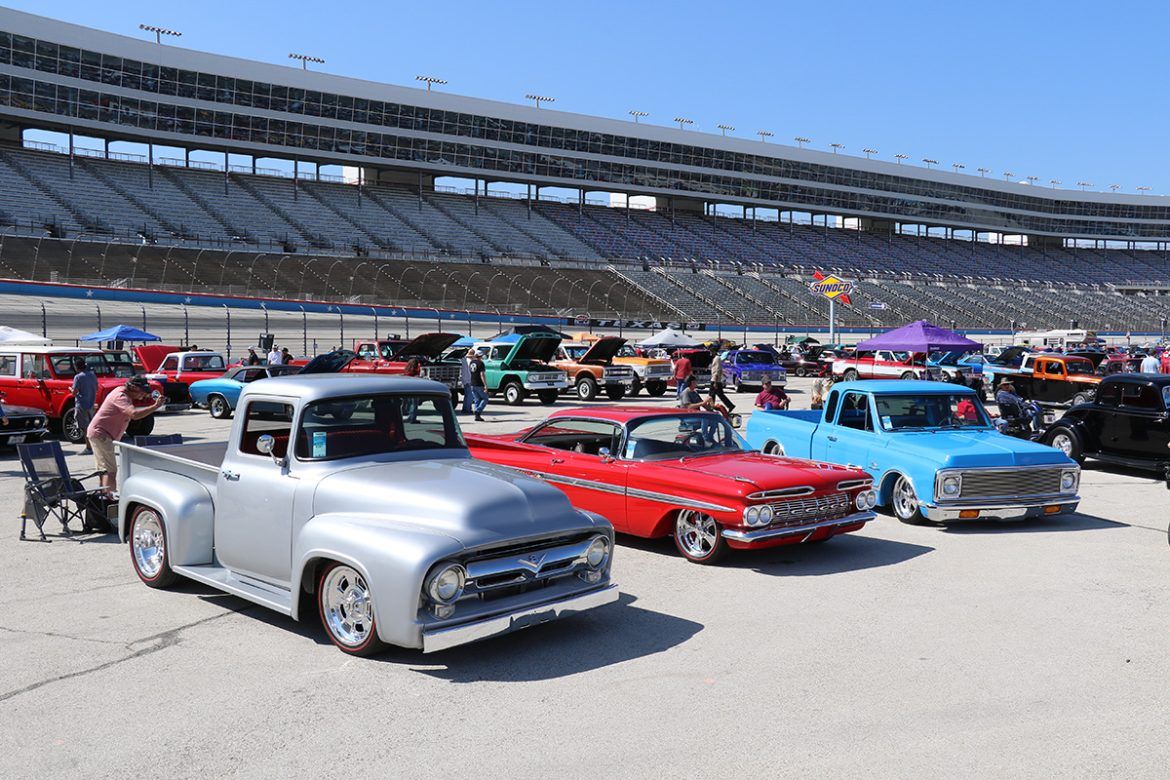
(664, 525)
(306, 603)
(510, 378)
(125, 529)
(887, 487)
(583, 375)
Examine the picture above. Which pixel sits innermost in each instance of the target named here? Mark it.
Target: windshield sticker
(318, 444)
(886, 421)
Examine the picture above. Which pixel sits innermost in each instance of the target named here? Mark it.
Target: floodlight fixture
(431, 80)
(868, 152)
(1084, 185)
(638, 115)
(1143, 190)
(929, 162)
(983, 172)
(1054, 182)
(683, 122)
(538, 99)
(836, 147)
(305, 59)
(901, 157)
(801, 141)
(159, 32)
(765, 135)
(958, 166)
(725, 128)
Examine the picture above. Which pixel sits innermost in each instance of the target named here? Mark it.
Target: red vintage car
(656, 472)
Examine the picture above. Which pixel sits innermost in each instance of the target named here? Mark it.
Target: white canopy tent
(668, 338)
(23, 337)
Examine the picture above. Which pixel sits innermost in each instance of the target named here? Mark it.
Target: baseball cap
(138, 383)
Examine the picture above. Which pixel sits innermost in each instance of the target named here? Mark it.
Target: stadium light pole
(637, 114)
(159, 32)
(1084, 185)
(764, 135)
(538, 99)
(431, 80)
(1008, 175)
(983, 172)
(901, 157)
(305, 59)
(929, 162)
(958, 166)
(725, 128)
(869, 152)
(1143, 190)
(836, 147)
(801, 141)
(683, 122)
(1032, 179)
(1054, 182)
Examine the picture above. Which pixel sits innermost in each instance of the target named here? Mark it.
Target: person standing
(465, 380)
(1150, 364)
(717, 382)
(85, 387)
(682, 372)
(286, 357)
(110, 423)
(274, 356)
(253, 359)
(478, 386)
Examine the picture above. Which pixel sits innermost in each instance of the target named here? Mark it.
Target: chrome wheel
(69, 427)
(218, 407)
(1063, 442)
(773, 448)
(905, 501)
(347, 606)
(149, 544)
(697, 534)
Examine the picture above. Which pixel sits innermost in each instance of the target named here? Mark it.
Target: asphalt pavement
(1037, 649)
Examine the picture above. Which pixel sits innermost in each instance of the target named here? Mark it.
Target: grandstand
(1008, 255)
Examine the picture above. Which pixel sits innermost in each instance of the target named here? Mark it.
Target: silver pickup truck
(375, 517)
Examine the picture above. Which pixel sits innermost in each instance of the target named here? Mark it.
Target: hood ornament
(533, 562)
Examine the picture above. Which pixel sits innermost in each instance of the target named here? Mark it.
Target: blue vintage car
(932, 452)
(747, 368)
(219, 395)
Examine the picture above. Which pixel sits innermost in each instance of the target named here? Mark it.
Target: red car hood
(152, 355)
(766, 472)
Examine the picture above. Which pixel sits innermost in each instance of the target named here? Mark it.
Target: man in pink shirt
(111, 421)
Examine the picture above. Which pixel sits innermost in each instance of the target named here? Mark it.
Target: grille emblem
(533, 562)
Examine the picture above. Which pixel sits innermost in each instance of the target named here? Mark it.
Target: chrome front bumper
(762, 534)
(1020, 511)
(444, 638)
(559, 384)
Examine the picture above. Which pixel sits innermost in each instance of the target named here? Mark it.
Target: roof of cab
(1159, 380)
(901, 386)
(315, 387)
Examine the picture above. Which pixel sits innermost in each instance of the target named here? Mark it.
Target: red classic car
(654, 472)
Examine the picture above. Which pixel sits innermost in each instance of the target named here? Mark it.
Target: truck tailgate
(200, 462)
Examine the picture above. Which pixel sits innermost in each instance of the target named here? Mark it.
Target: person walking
(274, 356)
(85, 386)
(110, 423)
(682, 372)
(253, 359)
(717, 382)
(465, 381)
(478, 386)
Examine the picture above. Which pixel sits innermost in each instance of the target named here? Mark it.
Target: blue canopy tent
(466, 341)
(120, 333)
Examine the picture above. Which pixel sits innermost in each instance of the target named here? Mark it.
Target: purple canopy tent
(920, 336)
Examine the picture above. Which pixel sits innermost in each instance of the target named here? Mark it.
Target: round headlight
(445, 584)
(598, 552)
(872, 498)
(861, 502)
(751, 515)
(765, 514)
(951, 486)
(1068, 480)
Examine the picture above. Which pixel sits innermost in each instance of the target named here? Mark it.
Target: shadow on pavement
(609, 635)
(1072, 522)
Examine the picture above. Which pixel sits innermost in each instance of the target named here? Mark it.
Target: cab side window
(37, 367)
(367, 351)
(1140, 397)
(170, 364)
(499, 353)
(1110, 394)
(7, 365)
(1052, 368)
(855, 412)
(266, 417)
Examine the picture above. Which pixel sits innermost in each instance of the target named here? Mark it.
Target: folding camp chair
(50, 490)
(152, 441)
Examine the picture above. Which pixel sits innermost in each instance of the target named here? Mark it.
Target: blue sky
(1073, 91)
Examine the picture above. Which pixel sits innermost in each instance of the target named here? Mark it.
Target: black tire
(656, 389)
(635, 387)
(908, 510)
(687, 545)
(908, 375)
(142, 427)
(774, 448)
(548, 397)
(799, 372)
(587, 388)
(143, 524)
(615, 393)
(1059, 435)
(514, 393)
(1080, 398)
(850, 375)
(218, 407)
(70, 431)
(372, 645)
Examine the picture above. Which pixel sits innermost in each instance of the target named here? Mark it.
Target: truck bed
(198, 461)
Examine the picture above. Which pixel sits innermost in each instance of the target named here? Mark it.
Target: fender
(1087, 439)
(187, 510)
(885, 486)
(393, 554)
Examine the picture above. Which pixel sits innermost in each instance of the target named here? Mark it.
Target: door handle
(831, 438)
(558, 460)
(230, 476)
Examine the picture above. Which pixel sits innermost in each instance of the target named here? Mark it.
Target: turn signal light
(968, 514)
(1051, 509)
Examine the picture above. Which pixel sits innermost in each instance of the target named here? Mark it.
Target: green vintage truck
(520, 368)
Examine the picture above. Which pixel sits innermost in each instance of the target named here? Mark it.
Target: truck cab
(881, 364)
(1050, 379)
(390, 356)
(176, 370)
(650, 373)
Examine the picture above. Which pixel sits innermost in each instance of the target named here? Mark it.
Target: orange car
(591, 368)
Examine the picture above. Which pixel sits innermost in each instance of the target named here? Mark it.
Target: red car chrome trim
(604, 487)
(771, 533)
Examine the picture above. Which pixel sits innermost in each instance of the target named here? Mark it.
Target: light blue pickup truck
(933, 453)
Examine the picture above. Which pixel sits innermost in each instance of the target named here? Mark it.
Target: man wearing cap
(111, 421)
(1011, 405)
(771, 397)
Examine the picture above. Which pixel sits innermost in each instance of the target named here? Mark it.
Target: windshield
(1079, 365)
(627, 351)
(96, 361)
(377, 424)
(203, 363)
(575, 353)
(756, 358)
(936, 410)
(664, 438)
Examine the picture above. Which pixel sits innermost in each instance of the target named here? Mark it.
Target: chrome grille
(1010, 482)
(539, 562)
(658, 370)
(803, 510)
(448, 375)
(618, 374)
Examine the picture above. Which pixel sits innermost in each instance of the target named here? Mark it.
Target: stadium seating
(388, 242)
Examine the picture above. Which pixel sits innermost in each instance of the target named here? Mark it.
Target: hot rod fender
(393, 557)
(187, 511)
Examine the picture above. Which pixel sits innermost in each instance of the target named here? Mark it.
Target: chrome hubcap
(150, 546)
(216, 407)
(905, 502)
(1063, 443)
(697, 533)
(348, 608)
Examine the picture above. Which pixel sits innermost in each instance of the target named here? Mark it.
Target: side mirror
(265, 446)
(606, 455)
